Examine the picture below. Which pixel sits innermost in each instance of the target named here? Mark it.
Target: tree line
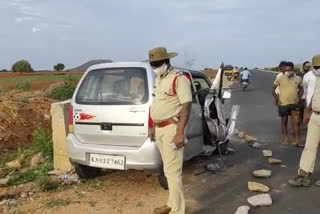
(23, 66)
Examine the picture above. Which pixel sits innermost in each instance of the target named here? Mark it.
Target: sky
(251, 33)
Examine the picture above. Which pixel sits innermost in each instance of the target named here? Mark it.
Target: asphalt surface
(224, 192)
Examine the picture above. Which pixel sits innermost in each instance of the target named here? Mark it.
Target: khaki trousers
(172, 165)
(309, 154)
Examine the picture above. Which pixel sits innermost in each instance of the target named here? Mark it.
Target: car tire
(163, 181)
(86, 172)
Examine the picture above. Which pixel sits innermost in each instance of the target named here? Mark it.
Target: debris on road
(247, 138)
(263, 173)
(215, 167)
(267, 153)
(200, 171)
(274, 161)
(208, 150)
(242, 210)
(258, 187)
(260, 200)
(318, 183)
(256, 145)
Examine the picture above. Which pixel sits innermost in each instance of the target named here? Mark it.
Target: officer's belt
(172, 120)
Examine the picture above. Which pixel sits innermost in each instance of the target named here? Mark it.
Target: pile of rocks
(263, 198)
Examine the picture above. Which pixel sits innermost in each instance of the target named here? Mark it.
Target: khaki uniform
(164, 107)
(288, 89)
(309, 154)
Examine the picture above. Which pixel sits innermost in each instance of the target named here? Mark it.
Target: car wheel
(86, 172)
(163, 181)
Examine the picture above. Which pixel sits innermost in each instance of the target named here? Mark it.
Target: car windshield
(114, 86)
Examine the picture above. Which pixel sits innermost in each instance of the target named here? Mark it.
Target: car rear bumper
(146, 157)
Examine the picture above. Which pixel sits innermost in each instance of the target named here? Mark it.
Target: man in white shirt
(245, 75)
(309, 81)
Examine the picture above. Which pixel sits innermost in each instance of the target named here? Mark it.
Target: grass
(57, 203)
(37, 78)
(24, 85)
(66, 91)
(42, 142)
(30, 175)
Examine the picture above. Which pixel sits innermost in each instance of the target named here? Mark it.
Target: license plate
(107, 161)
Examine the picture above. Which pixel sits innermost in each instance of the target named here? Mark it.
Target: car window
(202, 81)
(114, 86)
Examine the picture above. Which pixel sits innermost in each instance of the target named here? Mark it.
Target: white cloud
(35, 30)
(22, 19)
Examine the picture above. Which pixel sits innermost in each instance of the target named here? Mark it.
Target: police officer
(170, 112)
(309, 154)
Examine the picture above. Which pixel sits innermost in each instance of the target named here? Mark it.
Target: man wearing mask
(170, 112)
(290, 93)
(308, 158)
(309, 80)
(305, 81)
(282, 65)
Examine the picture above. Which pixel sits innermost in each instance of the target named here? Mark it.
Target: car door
(194, 129)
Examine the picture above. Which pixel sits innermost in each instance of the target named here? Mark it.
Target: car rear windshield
(114, 86)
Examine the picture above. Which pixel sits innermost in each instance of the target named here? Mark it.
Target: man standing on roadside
(309, 154)
(290, 93)
(304, 71)
(170, 112)
(309, 81)
(282, 65)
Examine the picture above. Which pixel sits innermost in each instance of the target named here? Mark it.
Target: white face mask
(161, 70)
(316, 72)
(289, 73)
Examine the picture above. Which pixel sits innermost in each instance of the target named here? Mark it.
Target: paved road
(224, 192)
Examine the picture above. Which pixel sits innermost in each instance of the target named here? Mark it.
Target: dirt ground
(128, 192)
(19, 118)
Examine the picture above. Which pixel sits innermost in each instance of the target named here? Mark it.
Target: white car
(109, 116)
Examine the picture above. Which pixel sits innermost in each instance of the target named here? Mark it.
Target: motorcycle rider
(245, 76)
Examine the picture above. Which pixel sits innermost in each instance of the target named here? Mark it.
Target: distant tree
(4, 70)
(59, 67)
(22, 66)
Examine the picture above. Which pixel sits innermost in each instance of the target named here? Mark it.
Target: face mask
(316, 72)
(161, 70)
(289, 73)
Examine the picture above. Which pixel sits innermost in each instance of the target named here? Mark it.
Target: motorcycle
(244, 84)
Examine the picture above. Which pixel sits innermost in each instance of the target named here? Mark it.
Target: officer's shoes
(300, 181)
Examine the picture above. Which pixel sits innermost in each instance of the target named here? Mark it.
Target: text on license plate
(107, 161)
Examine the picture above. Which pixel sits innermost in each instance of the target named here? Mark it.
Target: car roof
(119, 65)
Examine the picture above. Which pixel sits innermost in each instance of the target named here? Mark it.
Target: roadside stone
(267, 153)
(36, 159)
(14, 164)
(318, 183)
(242, 210)
(263, 173)
(260, 200)
(30, 193)
(4, 181)
(3, 202)
(274, 161)
(258, 187)
(23, 195)
(16, 192)
(12, 202)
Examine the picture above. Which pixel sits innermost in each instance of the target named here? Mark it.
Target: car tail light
(150, 124)
(71, 119)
